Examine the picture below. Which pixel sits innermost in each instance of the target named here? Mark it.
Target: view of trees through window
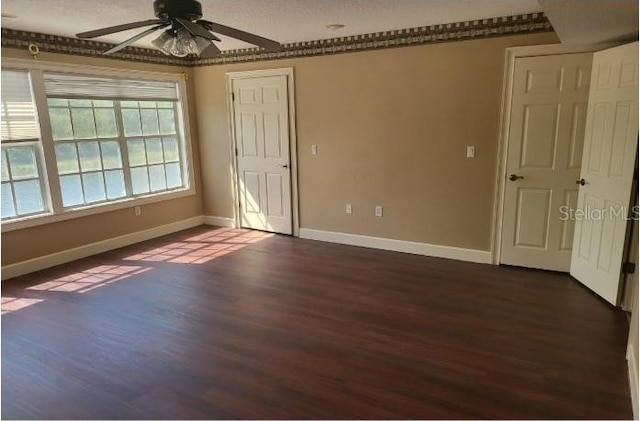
(21, 189)
(22, 193)
(95, 138)
(105, 149)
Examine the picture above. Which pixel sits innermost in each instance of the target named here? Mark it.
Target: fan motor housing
(166, 9)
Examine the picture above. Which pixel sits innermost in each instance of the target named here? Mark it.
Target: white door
(610, 145)
(261, 118)
(548, 111)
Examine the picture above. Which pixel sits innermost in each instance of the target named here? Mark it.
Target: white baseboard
(633, 379)
(54, 259)
(424, 249)
(220, 221)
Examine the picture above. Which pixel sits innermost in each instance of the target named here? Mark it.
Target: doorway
(544, 153)
(262, 125)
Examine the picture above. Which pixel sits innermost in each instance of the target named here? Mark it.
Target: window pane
(57, 102)
(93, 187)
(174, 175)
(167, 121)
(131, 122)
(102, 104)
(60, 123)
(139, 180)
(129, 104)
(147, 104)
(28, 196)
(5, 168)
(136, 152)
(171, 150)
(156, 177)
(22, 160)
(106, 122)
(71, 190)
(81, 103)
(8, 209)
(84, 127)
(89, 156)
(66, 157)
(149, 122)
(111, 155)
(115, 184)
(154, 151)
(165, 104)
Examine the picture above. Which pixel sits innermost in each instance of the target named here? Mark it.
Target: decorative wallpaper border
(80, 47)
(484, 28)
(495, 27)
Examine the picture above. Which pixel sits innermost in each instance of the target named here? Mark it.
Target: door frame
(293, 150)
(511, 55)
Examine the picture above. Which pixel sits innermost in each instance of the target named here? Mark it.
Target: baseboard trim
(219, 221)
(423, 249)
(633, 379)
(55, 259)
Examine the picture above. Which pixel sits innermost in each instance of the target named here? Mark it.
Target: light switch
(378, 211)
(471, 151)
(314, 149)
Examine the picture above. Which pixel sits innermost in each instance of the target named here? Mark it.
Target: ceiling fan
(186, 33)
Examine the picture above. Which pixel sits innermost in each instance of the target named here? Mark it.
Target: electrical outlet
(349, 209)
(471, 151)
(314, 149)
(137, 211)
(379, 211)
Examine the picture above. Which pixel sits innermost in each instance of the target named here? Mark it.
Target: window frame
(50, 176)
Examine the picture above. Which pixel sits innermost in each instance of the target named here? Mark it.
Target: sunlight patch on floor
(201, 248)
(11, 304)
(90, 279)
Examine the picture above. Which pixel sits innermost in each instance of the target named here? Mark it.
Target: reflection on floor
(222, 323)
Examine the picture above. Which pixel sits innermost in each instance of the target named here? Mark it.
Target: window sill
(34, 221)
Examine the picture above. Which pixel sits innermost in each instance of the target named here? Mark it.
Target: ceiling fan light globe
(164, 42)
(201, 44)
(184, 44)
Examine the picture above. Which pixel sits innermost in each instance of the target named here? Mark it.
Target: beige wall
(38, 241)
(391, 128)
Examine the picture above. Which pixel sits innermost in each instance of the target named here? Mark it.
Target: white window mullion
(122, 141)
(50, 178)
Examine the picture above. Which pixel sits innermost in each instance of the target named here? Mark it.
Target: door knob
(582, 182)
(284, 166)
(514, 177)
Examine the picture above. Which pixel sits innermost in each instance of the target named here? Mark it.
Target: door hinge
(233, 96)
(628, 267)
(236, 151)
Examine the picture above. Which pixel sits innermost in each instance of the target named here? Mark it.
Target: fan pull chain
(34, 50)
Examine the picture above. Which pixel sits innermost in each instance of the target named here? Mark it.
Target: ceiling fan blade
(196, 30)
(135, 38)
(210, 52)
(267, 44)
(118, 28)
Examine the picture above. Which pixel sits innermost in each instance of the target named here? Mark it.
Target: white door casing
(608, 163)
(548, 112)
(261, 126)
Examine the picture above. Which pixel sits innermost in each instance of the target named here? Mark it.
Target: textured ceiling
(586, 22)
(285, 21)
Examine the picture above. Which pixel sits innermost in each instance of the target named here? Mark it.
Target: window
(107, 139)
(22, 186)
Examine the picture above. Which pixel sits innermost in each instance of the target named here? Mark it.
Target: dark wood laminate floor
(219, 323)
